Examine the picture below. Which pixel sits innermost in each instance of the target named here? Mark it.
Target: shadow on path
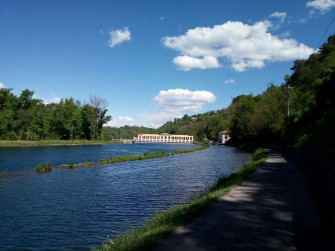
(271, 210)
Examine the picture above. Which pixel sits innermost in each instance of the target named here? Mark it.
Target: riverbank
(163, 224)
(10, 143)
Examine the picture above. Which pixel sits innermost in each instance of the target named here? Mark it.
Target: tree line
(24, 117)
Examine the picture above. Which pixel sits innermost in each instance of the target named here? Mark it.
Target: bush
(11, 136)
(43, 168)
(102, 161)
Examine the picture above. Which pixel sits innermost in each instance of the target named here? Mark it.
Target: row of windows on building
(164, 138)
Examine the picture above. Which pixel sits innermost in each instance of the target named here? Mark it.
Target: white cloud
(245, 46)
(280, 15)
(121, 121)
(229, 81)
(175, 103)
(187, 63)
(119, 36)
(155, 120)
(2, 85)
(183, 100)
(321, 5)
(52, 100)
(302, 20)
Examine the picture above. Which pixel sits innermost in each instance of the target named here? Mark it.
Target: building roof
(225, 132)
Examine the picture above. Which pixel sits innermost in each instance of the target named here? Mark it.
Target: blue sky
(156, 60)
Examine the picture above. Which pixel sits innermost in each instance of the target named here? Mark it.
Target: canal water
(76, 209)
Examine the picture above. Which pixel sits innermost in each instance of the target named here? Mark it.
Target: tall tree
(67, 118)
(8, 104)
(101, 117)
(241, 110)
(270, 113)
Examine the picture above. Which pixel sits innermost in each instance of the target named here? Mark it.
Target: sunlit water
(76, 209)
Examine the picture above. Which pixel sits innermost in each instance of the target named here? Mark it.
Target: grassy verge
(117, 159)
(190, 150)
(161, 225)
(6, 143)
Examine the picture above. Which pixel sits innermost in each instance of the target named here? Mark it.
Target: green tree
(99, 104)
(67, 119)
(23, 122)
(43, 120)
(8, 104)
(241, 110)
(269, 118)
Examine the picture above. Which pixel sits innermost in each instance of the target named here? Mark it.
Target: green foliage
(269, 117)
(190, 150)
(43, 168)
(242, 110)
(312, 122)
(26, 118)
(117, 159)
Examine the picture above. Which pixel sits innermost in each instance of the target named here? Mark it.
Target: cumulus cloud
(280, 15)
(187, 63)
(155, 120)
(183, 100)
(119, 36)
(2, 85)
(175, 103)
(121, 121)
(52, 100)
(244, 46)
(321, 5)
(229, 81)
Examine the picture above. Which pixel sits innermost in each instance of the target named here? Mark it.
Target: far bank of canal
(78, 208)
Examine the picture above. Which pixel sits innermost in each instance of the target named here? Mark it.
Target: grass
(161, 225)
(44, 168)
(191, 150)
(6, 143)
(117, 159)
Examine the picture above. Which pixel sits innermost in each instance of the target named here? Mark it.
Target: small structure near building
(164, 138)
(224, 136)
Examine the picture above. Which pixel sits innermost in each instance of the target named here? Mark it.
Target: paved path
(271, 210)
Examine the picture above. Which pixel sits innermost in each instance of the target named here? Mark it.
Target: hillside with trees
(300, 112)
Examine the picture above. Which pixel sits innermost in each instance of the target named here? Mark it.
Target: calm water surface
(75, 209)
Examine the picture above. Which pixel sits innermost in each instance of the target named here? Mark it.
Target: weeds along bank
(117, 159)
(161, 225)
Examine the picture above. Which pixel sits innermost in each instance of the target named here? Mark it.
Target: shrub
(43, 168)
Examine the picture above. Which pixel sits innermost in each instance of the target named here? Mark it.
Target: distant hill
(126, 132)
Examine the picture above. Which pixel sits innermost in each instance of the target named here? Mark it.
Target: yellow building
(164, 138)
